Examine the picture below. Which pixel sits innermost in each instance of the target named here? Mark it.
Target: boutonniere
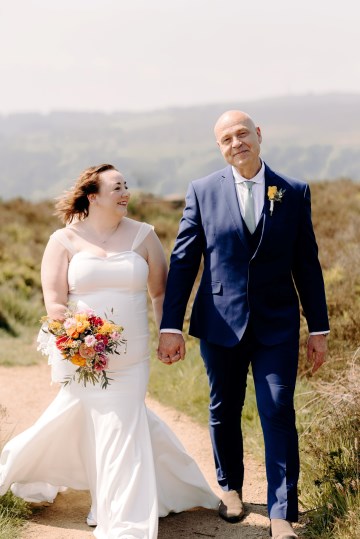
(274, 195)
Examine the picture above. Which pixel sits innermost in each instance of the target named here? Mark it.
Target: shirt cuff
(319, 332)
(171, 330)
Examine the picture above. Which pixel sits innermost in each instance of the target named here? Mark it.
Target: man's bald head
(231, 117)
(239, 141)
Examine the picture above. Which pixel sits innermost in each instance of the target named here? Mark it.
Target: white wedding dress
(106, 440)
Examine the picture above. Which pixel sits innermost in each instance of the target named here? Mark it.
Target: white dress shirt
(258, 191)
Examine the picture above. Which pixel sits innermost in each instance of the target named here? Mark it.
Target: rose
(272, 190)
(86, 351)
(274, 195)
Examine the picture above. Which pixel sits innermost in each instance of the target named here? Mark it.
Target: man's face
(239, 142)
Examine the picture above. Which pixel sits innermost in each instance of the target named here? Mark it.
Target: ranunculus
(99, 346)
(76, 359)
(86, 351)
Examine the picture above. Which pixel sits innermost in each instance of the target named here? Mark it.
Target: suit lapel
(270, 179)
(231, 199)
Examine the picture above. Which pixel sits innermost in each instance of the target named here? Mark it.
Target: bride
(105, 440)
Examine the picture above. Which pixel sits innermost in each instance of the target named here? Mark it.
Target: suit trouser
(274, 370)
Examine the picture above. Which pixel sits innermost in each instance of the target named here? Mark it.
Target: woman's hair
(75, 202)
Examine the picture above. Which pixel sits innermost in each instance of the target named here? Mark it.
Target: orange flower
(76, 359)
(86, 352)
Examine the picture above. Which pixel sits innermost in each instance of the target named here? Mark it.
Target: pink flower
(115, 335)
(99, 346)
(69, 322)
(90, 340)
(86, 351)
(101, 363)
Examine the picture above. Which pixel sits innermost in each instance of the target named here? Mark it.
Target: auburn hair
(74, 203)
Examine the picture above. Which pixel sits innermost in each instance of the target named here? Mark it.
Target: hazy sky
(145, 54)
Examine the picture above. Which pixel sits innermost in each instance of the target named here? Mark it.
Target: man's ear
(258, 131)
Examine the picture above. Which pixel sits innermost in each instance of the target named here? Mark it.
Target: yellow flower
(81, 325)
(107, 327)
(81, 317)
(55, 325)
(76, 359)
(274, 195)
(272, 190)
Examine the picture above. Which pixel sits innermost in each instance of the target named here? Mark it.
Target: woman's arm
(54, 268)
(157, 274)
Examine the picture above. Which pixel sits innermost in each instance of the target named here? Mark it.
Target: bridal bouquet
(85, 339)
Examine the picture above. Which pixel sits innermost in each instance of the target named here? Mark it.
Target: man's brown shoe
(281, 529)
(231, 507)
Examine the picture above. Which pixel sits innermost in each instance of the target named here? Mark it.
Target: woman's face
(113, 195)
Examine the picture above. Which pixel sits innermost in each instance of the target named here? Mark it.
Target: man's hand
(171, 348)
(316, 351)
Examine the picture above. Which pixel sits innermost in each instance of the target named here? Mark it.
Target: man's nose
(236, 142)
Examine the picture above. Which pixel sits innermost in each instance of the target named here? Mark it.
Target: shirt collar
(258, 178)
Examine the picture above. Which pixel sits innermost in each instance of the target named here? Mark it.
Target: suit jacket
(238, 282)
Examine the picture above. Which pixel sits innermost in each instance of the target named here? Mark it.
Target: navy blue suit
(246, 311)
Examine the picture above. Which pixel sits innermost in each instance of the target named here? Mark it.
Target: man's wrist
(323, 333)
(171, 330)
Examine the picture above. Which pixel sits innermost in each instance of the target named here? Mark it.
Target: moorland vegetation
(328, 404)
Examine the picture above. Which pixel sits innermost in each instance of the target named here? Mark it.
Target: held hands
(316, 351)
(171, 348)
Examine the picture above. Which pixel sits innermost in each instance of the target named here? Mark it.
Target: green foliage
(330, 482)
(336, 217)
(13, 510)
(13, 513)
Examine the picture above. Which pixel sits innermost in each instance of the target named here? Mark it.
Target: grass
(13, 514)
(19, 351)
(13, 510)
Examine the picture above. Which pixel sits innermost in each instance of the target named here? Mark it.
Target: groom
(253, 228)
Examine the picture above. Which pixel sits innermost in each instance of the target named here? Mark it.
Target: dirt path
(25, 393)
